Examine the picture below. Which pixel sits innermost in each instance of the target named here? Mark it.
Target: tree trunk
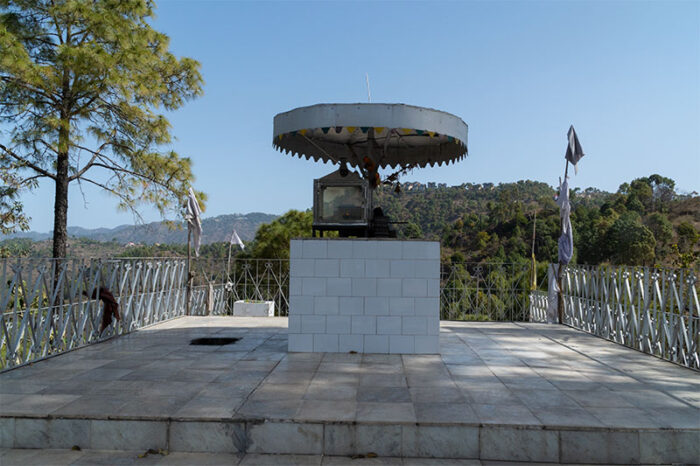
(60, 209)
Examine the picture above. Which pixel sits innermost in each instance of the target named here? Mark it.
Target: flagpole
(188, 290)
(560, 271)
(228, 262)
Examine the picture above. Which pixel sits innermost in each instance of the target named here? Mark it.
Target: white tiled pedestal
(364, 295)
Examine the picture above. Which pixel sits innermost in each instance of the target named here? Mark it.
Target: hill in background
(215, 229)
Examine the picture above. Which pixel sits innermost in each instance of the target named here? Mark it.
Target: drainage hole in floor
(213, 341)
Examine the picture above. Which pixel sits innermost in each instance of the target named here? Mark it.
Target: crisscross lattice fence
(654, 310)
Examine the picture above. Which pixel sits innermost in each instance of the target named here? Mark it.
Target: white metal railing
(654, 310)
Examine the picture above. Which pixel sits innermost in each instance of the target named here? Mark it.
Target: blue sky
(625, 74)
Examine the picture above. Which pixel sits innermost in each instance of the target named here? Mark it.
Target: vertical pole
(534, 265)
(560, 299)
(188, 290)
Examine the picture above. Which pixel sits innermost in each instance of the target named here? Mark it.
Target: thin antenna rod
(369, 95)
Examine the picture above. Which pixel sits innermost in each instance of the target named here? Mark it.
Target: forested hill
(215, 229)
(644, 223)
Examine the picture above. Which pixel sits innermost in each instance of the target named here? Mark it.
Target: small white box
(414, 326)
(301, 305)
(377, 268)
(254, 308)
(427, 344)
(389, 250)
(401, 306)
(339, 249)
(301, 267)
(294, 323)
(403, 268)
(364, 249)
(364, 287)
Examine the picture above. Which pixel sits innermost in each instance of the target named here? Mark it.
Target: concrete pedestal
(364, 295)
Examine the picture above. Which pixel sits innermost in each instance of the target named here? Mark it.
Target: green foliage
(16, 247)
(629, 242)
(83, 88)
(688, 237)
(272, 239)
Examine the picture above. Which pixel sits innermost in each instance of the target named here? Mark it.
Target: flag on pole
(235, 239)
(193, 215)
(574, 152)
(566, 240)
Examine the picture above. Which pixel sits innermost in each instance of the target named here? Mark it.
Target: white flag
(194, 221)
(235, 239)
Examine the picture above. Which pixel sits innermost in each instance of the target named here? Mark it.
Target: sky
(625, 74)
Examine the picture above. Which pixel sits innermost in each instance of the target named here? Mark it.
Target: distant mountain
(214, 229)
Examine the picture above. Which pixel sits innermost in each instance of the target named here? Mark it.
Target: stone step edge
(484, 442)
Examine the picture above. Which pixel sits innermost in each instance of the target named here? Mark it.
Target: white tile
(376, 306)
(353, 268)
(327, 268)
(421, 250)
(315, 249)
(348, 343)
(427, 269)
(326, 305)
(366, 325)
(401, 306)
(301, 267)
(286, 438)
(295, 249)
(313, 324)
(389, 325)
(31, 433)
(377, 268)
(351, 305)
(303, 343)
(389, 287)
(403, 268)
(301, 305)
(510, 444)
(389, 250)
(401, 344)
(427, 344)
(294, 323)
(338, 287)
(376, 344)
(433, 325)
(433, 288)
(338, 324)
(339, 249)
(313, 287)
(210, 437)
(429, 442)
(295, 286)
(364, 249)
(414, 287)
(600, 447)
(325, 343)
(128, 435)
(428, 307)
(364, 287)
(413, 325)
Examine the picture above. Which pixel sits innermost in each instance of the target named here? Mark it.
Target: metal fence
(484, 291)
(47, 306)
(653, 310)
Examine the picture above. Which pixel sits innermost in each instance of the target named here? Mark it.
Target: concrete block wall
(364, 295)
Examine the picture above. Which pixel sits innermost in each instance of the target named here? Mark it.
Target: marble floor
(19, 457)
(501, 373)
(497, 391)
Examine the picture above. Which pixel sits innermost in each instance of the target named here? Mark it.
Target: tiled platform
(497, 391)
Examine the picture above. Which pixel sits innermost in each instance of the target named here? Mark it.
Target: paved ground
(94, 457)
(488, 373)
